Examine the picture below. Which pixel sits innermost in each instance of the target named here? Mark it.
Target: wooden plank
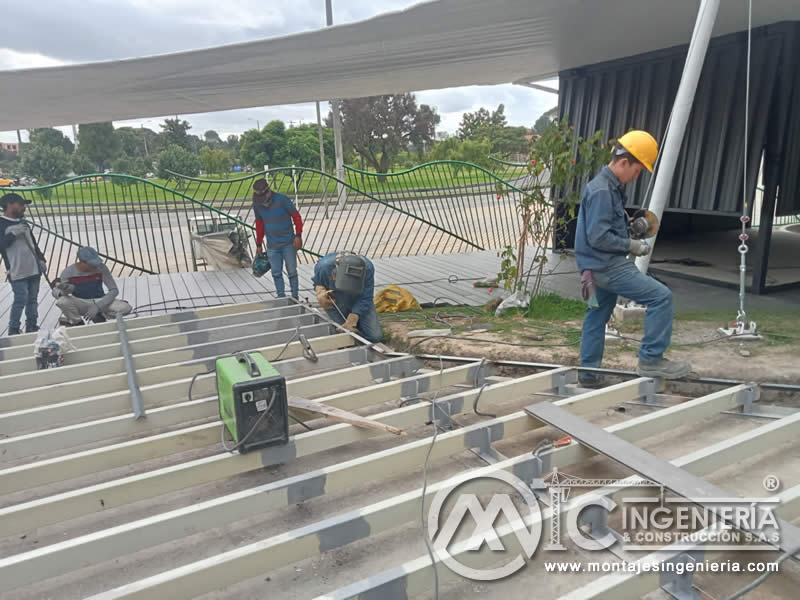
(343, 416)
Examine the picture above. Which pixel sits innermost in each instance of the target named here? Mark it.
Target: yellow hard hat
(642, 146)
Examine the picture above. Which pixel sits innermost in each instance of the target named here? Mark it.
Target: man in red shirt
(275, 214)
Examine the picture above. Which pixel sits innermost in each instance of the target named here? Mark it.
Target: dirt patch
(696, 341)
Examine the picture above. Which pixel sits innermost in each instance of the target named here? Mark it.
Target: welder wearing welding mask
(345, 286)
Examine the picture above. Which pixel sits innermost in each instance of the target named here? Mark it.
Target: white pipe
(671, 147)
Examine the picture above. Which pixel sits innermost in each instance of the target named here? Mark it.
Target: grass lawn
(436, 176)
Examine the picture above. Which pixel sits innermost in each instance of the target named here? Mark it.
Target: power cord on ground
(423, 524)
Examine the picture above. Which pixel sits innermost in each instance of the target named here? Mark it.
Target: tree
(481, 123)
(47, 136)
(47, 163)
(99, 142)
(302, 146)
(125, 165)
(378, 127)
(178, 160)
(264, 147)
(215, 161)
(212, 138)
(9, 163)
(510, 140)
(543, 122)
(475, 152)
(176, 131)
(81, 165)
(131, 143)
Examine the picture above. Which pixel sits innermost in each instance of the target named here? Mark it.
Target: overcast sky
(53, 32)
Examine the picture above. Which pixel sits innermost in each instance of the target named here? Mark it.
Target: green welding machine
(253, 403)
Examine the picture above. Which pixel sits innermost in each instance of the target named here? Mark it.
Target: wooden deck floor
(445, 278)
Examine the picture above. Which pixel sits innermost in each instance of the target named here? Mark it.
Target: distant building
(10, 147)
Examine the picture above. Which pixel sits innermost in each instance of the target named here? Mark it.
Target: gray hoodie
(21, 255)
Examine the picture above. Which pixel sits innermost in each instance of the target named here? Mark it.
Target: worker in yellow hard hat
(602, 247)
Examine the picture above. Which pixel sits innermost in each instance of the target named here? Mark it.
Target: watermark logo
(484, 520)
(643, 523)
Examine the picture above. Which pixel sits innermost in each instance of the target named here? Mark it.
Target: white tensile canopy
(432, 45)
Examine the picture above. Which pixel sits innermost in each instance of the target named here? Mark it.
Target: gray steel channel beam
(205, 406)
(329, 358)
(12, 383)
(117, 403)
(69, 466)
(413, 577)
(674, 478)
(60, 507)
(73, 554)
(166, 319)
(168, 342)
(103, 339)
(266, 555)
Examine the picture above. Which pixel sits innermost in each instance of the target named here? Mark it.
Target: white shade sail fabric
(432, 45)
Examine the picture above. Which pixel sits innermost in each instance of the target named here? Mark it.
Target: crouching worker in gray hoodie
(79, 291)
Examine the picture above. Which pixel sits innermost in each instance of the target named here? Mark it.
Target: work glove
(43, 266)
(351, 322)
(92, 312)
(18, 229)
(297, 242)
(639, 248)
(323, 296)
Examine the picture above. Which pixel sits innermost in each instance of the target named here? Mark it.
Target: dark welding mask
(349, 274)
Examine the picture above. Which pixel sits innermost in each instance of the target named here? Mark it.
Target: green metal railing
(143, 226)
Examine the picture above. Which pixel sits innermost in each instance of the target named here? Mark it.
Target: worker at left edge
(24, 263)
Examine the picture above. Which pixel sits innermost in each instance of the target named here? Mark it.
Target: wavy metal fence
(143, 226)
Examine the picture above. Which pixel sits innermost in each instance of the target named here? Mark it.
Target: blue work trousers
(622, 278)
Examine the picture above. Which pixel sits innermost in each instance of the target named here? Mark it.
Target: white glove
(639, 248)
(91, 313)
(18, 229)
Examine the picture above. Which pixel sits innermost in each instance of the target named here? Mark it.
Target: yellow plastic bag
(393, 299)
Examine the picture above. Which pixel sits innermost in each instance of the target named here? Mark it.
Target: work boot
(31, 328)
(664, 368)
(99, 318)
(14, 331)
(589, 380)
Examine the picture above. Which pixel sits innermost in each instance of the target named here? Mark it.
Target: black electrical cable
(300, 422)
(253, 428)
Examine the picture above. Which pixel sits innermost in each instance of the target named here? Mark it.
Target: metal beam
(279, 327)
(413, 577)
(111, 337)
(335, 532)
(137, 322)
(73, 554)
(105, 405)
(107, 385)
(322, 341)
(685, 484)
(60, 507)
(205, 406)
